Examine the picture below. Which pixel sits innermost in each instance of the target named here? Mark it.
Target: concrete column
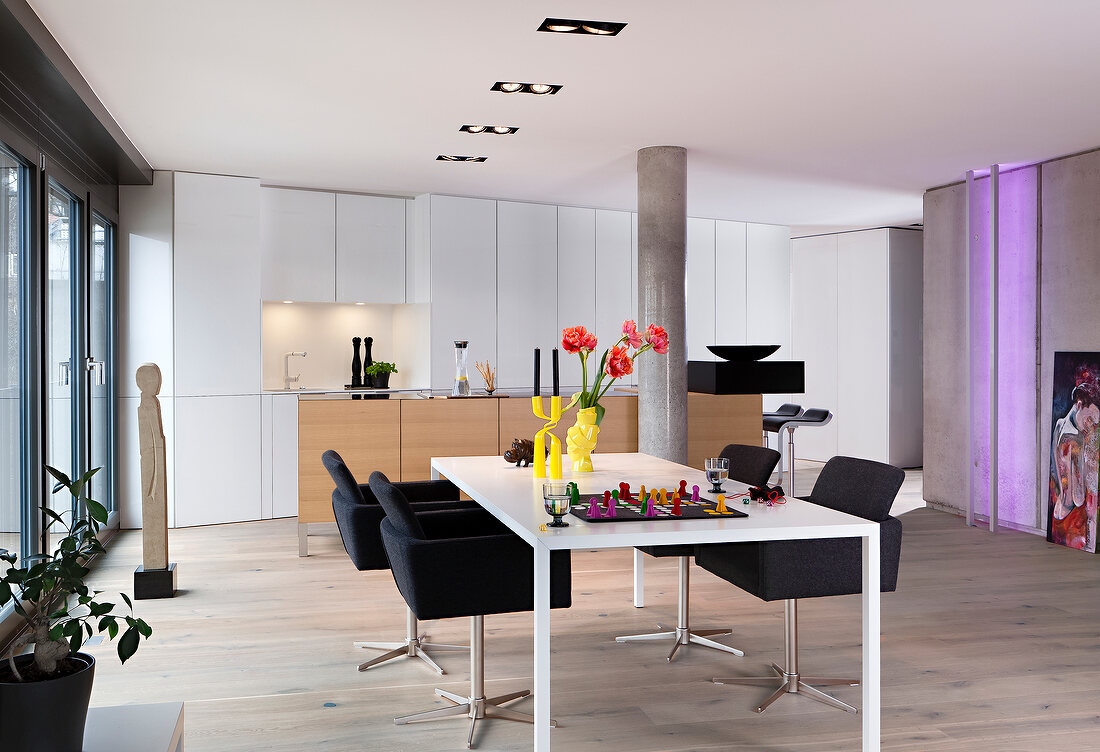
(662, 263)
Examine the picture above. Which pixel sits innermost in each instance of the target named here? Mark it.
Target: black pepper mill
(368, 380)
(356, 363)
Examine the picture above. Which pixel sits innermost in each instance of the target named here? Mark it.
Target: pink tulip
(619, 363)
(630, 331)
(658, 337)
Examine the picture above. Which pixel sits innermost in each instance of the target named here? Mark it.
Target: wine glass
(557, 497)
(718, 469)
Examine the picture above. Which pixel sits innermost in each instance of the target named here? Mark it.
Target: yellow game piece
(653, 495)
(721, 508)
(641, 494)
(664, 496)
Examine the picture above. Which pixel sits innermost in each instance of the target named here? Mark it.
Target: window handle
(63, 371)
(98, 369)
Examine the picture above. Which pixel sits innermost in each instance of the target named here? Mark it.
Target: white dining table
(514, 496)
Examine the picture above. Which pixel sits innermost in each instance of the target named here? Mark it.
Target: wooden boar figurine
(522, 452)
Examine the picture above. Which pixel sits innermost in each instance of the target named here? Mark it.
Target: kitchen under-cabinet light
(570, 26)
(458, 158)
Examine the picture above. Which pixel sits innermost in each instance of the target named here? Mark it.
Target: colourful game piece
(683, 491)
(721, 508)
(575, 493)
(695, 493)
(615, 495)
(641, 494)
(653, 496)
(606, 498)
(664, 497)
(624, 492)
(676, 504)
(594, 512)
(610, 511)
(651, 510)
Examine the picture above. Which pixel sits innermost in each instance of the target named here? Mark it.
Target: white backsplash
(324, 330)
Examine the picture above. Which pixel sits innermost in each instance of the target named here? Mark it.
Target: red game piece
(624, 492)
(683, 489)
(606, 499)
(676, 505)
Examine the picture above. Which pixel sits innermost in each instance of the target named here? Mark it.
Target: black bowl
(742, 353)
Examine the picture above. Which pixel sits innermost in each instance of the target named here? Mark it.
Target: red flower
(577, 338)
(658, 337)
(630, 331)
(619, 363)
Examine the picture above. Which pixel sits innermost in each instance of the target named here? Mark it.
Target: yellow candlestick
(540, 439)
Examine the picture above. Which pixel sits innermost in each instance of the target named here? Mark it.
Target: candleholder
(540, 438)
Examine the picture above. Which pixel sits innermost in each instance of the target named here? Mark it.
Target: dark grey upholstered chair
(358, 516)
(790, 570)
(748, 464)
(446, 568)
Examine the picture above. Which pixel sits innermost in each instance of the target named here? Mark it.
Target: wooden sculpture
(155, 578)
(522, 452)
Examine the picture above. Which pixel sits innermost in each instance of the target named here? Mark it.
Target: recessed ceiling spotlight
(569, 26)
(498, 129)
(513, 88)
(457, 158)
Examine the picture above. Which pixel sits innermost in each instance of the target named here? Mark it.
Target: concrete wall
(1023, 408)
(1070, 276)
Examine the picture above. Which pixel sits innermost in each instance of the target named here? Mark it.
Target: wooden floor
(990, 643)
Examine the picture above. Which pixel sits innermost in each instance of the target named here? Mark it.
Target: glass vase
(581, 440)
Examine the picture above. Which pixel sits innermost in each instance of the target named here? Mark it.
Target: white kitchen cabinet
(731, 308)
(216, 285)
(768, 294)
(576, 281)
(129, 460)
(527, 291)
(814, 327)
(634, 283)
(464, 283)
(863, 284)
(298, 242)
(279, 457)
(370, 249)
(700, 288)
(613, 275)
(217, 460)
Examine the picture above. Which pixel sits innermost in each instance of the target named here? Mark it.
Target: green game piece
(575, 492)
(615, 495)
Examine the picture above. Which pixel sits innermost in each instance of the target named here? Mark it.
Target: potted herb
(379, 374)
(44, 694)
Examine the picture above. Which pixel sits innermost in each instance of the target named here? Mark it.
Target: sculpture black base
(154, 583)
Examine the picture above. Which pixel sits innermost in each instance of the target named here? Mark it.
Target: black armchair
(446, 568)
(748, 464)
(791, 570)
(358, 516)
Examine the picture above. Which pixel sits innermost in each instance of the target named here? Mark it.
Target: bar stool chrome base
(682, 633)
(476, 707)
(791, 682)
(413, 646)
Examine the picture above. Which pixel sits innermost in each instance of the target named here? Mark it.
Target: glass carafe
(462, 374)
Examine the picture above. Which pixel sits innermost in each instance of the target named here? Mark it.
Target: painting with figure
(1074, 450)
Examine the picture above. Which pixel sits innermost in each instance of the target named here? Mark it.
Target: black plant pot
(47, 714)
(380, 380)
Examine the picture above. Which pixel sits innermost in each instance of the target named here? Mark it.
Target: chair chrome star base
(476, 707)
(791, 682)
(414, 646)
(682, 633)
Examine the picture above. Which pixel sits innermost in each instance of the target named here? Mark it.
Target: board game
(658, 504)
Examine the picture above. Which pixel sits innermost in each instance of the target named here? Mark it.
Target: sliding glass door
(98, 360)
(14, 219)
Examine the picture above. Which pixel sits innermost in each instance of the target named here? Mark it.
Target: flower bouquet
(616, 362)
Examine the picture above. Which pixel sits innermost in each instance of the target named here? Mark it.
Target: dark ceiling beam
(33, 60)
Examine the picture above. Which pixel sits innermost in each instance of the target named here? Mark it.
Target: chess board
(633, 511)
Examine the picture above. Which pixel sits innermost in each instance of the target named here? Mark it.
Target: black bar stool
(815, 416)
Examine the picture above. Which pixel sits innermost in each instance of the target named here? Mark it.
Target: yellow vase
(581, 440)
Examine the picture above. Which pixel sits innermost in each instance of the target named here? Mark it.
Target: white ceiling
(797, 112)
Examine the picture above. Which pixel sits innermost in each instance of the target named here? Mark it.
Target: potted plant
(379, 374)
(617, 361)
(44, 694)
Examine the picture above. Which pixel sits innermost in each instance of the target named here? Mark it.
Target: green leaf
(127, 599)
(5, 593)
(88, 475)
(144, 628)
(97, 511)
(599, 413)
(60, 476)
(57, 631)
(128, 645)
(112, 629)
(76, 641)
(99, 609)
(52, 515)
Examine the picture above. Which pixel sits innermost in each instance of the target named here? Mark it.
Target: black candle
(536, 390)
(556, 392)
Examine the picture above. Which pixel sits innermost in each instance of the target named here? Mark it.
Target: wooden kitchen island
(400, 435)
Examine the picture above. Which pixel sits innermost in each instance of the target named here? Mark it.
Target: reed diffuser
(488, 374)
